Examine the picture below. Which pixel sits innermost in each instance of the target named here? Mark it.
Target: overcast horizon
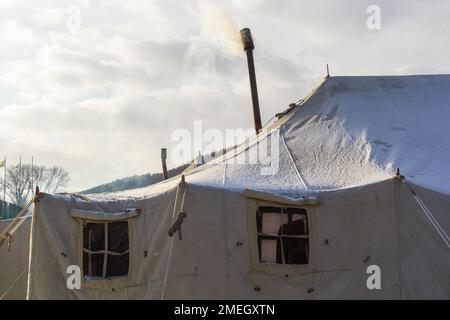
(98, 87)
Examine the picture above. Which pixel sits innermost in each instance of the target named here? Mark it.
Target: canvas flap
(99, 215)
(277, 198)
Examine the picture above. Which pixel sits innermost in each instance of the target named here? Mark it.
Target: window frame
(94, 282)
(276, 268)
(279, 237)
(105, 251)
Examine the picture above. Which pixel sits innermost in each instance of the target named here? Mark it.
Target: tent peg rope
(7, 234)
(438, 228)
(183, 185)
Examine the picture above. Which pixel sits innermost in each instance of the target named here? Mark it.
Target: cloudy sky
(98, 86)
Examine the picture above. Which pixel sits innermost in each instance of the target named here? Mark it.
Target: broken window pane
(95, 253)
(295, 250)
(94, 236)
(93, 264)
(294, 224)
(118, 237)
(117, 266)
(261, 211)
(271, 223)
(270, 250)
(282, 235)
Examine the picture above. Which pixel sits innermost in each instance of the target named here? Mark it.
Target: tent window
(105, 250)
(283, 235)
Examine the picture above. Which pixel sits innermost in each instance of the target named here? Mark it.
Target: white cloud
(102, 101)
(50, 17)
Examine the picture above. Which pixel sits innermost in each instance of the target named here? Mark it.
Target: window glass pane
(117, 265)
(260, 213)
(94, 236)
(296, 251)
(93, 264)
(295, 224)
(118, 237)
(271, 223)
(268, 250)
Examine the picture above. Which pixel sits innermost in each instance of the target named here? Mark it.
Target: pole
(32, 175)
(4, 183)
(20, 169)
(4, 192)
(164, 165)
(248, 45)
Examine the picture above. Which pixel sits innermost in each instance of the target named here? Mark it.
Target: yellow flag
(2, 163)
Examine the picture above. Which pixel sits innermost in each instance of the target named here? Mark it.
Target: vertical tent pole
(4, 183)
(32, 174)
(5, 207)
(164, 165)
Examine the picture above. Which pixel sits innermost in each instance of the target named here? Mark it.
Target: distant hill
(136, 181)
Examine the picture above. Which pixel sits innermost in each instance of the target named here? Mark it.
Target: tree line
(136, 181)
(21, 179)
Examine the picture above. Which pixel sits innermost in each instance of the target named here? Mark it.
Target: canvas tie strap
(177, 225)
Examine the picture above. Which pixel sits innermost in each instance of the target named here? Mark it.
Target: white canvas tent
(304, 222)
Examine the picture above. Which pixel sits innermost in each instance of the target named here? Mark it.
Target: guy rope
(7, 234)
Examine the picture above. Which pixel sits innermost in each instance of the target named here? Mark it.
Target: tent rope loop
(9, 239)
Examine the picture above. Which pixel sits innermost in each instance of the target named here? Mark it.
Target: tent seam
(292, 159)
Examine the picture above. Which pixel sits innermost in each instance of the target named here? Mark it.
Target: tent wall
(207, 263)
(424, 260)
(438, 203)
(378, 224)
(349, 230)
(57, 243)
(13, 276)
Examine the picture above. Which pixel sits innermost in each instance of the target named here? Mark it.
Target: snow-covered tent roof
(350, 131)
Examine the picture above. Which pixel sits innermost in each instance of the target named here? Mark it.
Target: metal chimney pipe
(247, 43)
(164, 165)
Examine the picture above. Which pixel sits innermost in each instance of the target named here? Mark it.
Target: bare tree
(21, 179)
